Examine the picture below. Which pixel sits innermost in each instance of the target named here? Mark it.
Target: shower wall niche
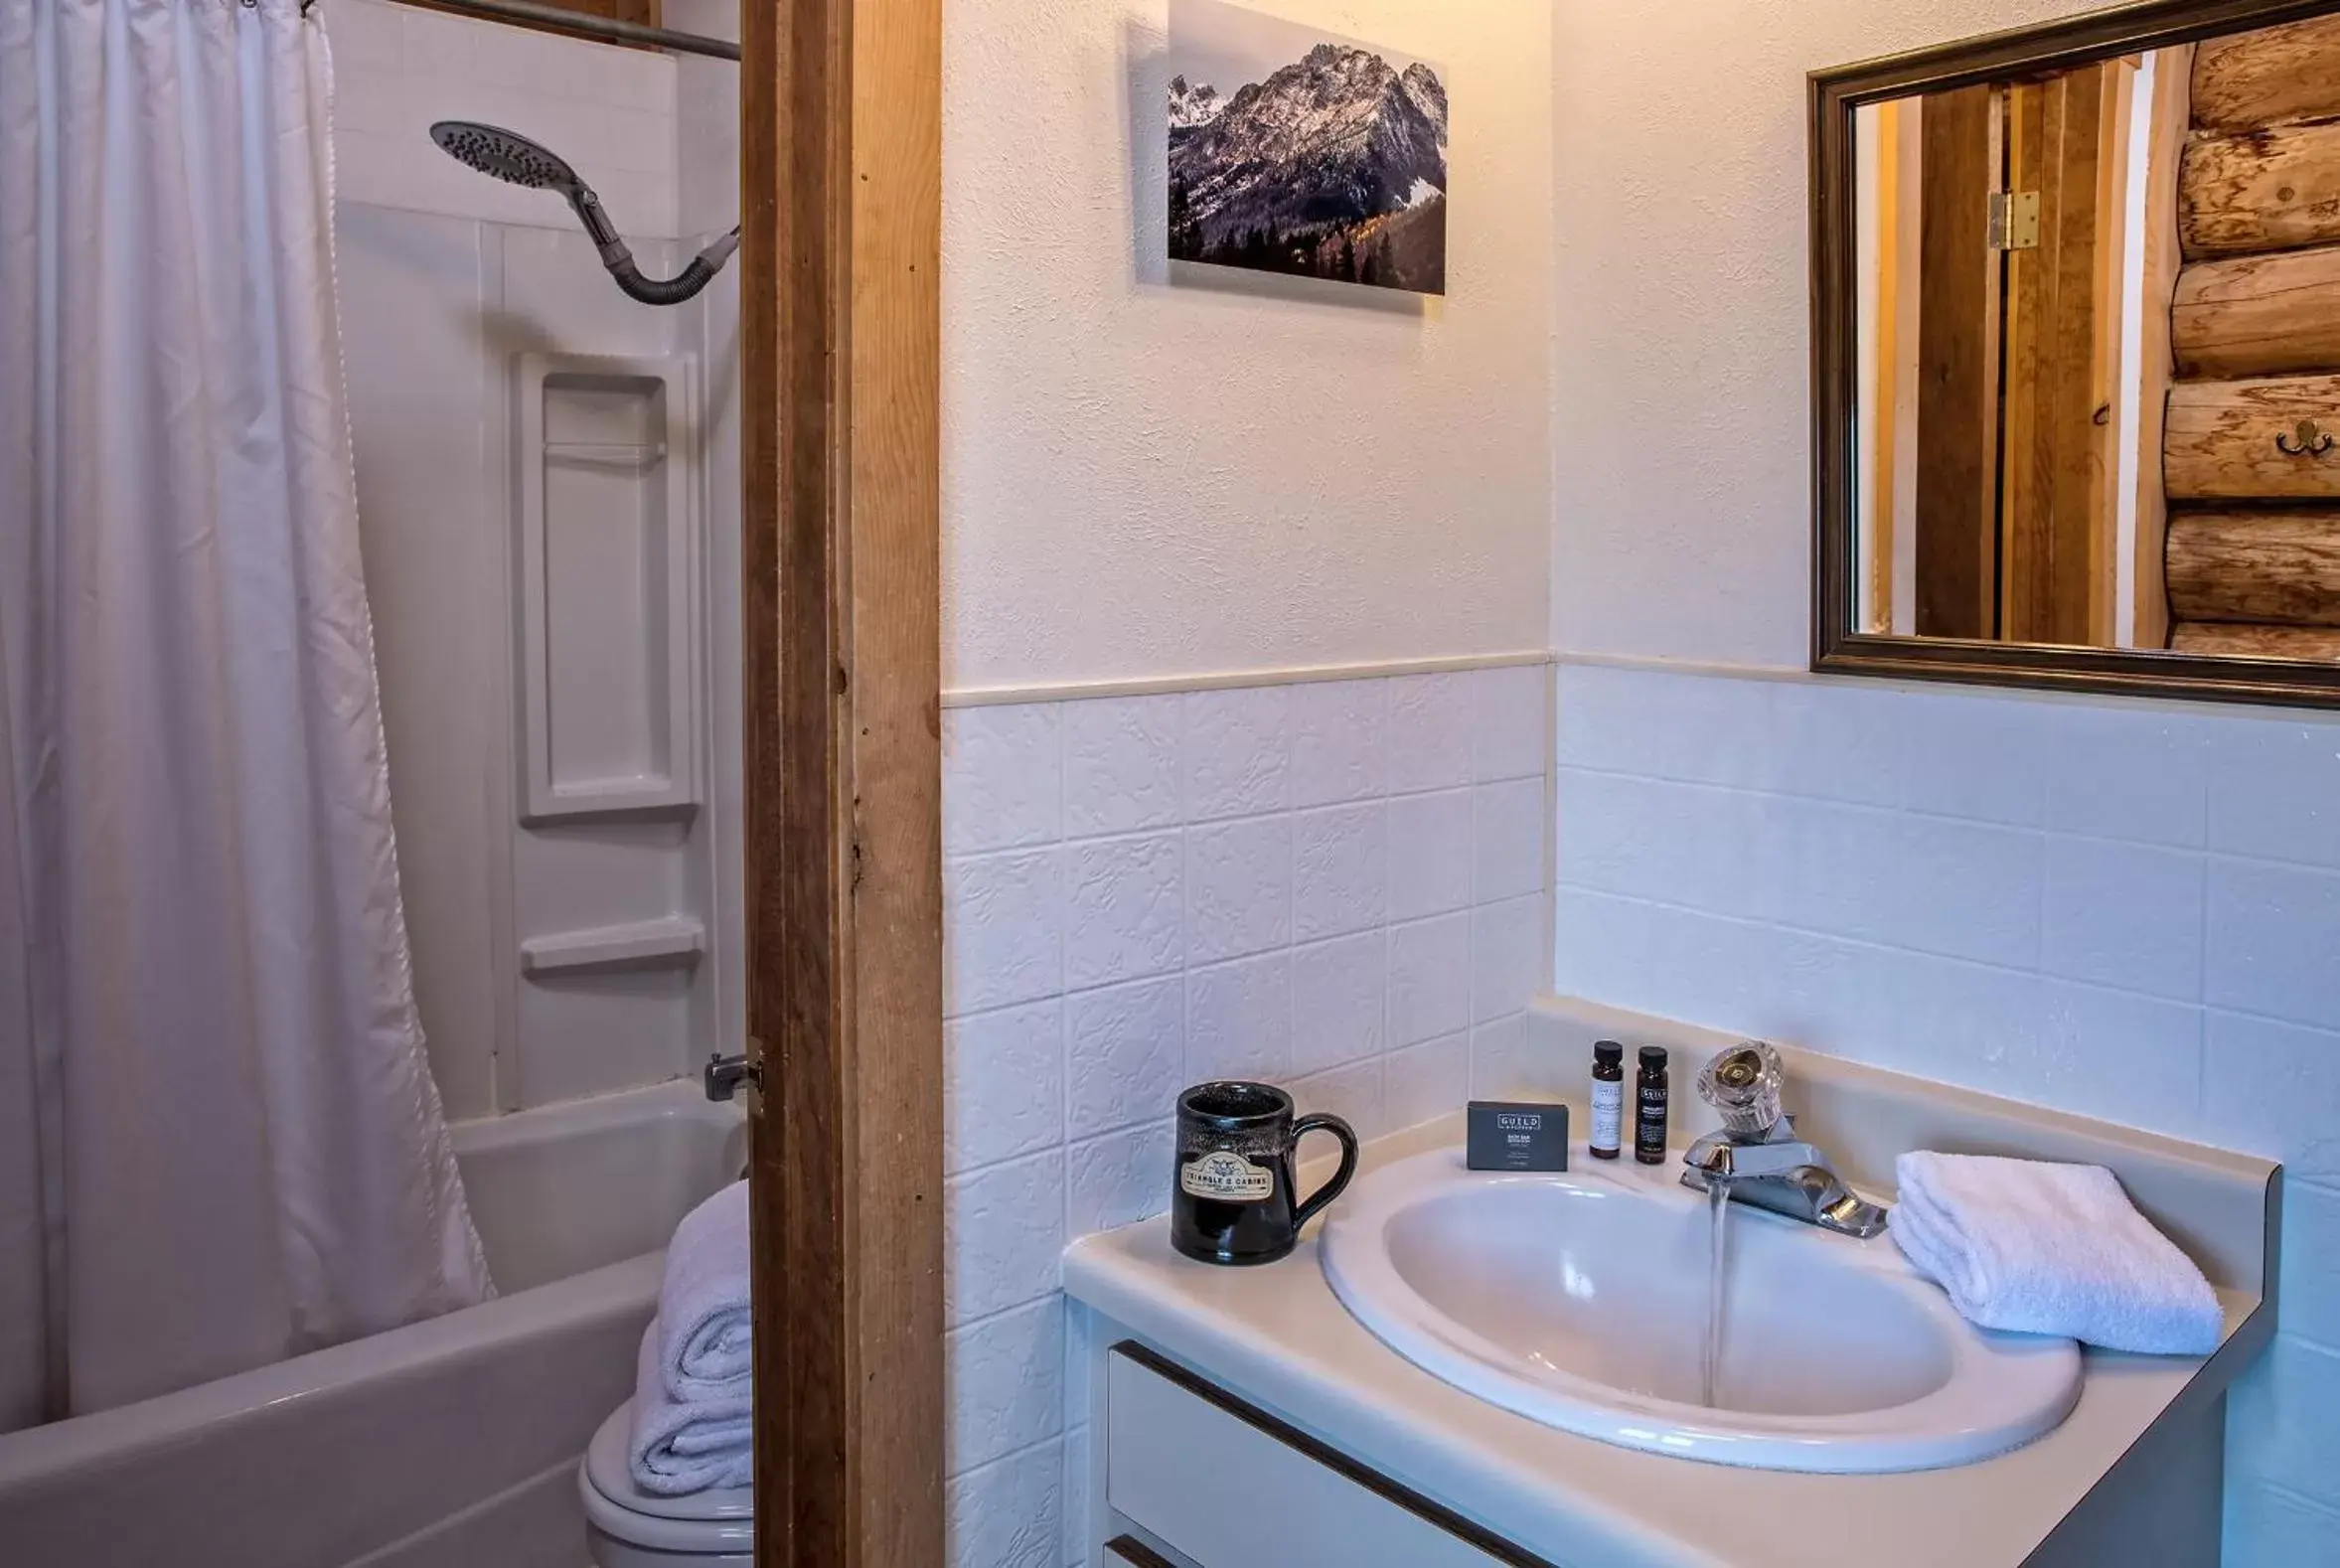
(548, 485)
(609, 556)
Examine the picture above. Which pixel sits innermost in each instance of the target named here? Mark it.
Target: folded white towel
(2038, 1248)
(705, 1328)
(680, 1446)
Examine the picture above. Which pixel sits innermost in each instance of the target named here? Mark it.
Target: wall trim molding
(1658, 664)
(1156, 685)
(1652, 664)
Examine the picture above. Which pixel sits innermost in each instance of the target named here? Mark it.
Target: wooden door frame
(840, 330)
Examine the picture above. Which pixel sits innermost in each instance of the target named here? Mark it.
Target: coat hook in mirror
(2308, 439)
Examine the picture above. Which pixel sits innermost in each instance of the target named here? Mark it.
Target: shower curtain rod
(608, 29)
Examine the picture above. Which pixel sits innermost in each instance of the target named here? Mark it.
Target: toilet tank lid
(611, 1476)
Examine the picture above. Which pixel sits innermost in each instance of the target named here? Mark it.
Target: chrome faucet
(1757, 1157)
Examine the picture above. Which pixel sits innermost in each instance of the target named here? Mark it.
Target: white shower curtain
(219, 1142)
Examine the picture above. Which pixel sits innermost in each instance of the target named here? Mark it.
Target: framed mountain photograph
(1291, 151)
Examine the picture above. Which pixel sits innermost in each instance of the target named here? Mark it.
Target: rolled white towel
(2037, 1248)
(706, 1326)
(680, 1446)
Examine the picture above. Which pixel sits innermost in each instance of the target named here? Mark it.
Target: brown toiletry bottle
(1608, 1100)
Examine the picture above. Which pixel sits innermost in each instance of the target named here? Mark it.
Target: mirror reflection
(2099, 353)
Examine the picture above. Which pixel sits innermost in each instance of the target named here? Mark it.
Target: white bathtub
(448, 1443)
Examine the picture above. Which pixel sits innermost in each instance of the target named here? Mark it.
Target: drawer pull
(2309, 439)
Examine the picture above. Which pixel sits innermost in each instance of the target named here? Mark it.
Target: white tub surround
(452, 1441)
(2137, 1460)
(548, 487)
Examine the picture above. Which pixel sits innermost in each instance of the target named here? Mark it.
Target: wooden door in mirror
(2076, 356)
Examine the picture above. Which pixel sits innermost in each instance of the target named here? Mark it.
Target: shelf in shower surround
(611, 606)
(607, 451)
(677, 939)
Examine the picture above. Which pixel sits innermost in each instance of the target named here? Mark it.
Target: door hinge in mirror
(2014, 219)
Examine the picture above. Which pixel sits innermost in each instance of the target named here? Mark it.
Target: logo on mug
(1227, 1178)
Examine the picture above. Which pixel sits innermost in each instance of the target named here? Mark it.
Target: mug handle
(1325, 1122)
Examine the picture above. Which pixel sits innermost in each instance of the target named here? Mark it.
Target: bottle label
(1649, 1125)
(1607, 1113)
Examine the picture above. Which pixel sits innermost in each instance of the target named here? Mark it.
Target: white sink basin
(1580, 1300)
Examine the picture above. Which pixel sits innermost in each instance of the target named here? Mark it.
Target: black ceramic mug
(1231, 1197)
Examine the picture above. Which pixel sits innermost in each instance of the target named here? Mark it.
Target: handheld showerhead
(508, 156)
(515, 159)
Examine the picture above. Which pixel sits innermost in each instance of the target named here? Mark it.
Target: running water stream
(1743, 1085)
(1718, 1204)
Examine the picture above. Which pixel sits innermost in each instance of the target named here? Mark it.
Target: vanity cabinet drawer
(1230, 1486)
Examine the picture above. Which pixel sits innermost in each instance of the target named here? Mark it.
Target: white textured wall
(1681, 334)
(2125, 909)
(1143, 480)
(1337, 885)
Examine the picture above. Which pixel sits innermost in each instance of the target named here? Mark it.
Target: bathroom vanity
(1250, 1418)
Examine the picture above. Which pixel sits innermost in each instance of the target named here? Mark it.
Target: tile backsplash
(1335, 885)
(611, 112)
(2125, 910)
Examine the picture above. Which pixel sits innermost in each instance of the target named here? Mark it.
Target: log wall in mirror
(2075, 301)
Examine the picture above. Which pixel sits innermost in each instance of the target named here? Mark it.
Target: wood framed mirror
(2076, 356)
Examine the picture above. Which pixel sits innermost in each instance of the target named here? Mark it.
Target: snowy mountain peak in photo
(1332, 141)
(1190, 106)
(1429, 95)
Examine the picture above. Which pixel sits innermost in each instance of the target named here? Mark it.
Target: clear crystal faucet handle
(1743, 1084)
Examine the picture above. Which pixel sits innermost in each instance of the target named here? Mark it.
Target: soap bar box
(1507, 1134)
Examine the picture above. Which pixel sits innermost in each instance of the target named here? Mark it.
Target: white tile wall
(610, 112)
(1335, 885)
(707, 104)
(2129, 912)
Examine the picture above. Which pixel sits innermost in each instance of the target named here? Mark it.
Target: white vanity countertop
(1278, 1337)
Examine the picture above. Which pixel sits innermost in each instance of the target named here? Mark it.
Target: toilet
(626, 1527)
